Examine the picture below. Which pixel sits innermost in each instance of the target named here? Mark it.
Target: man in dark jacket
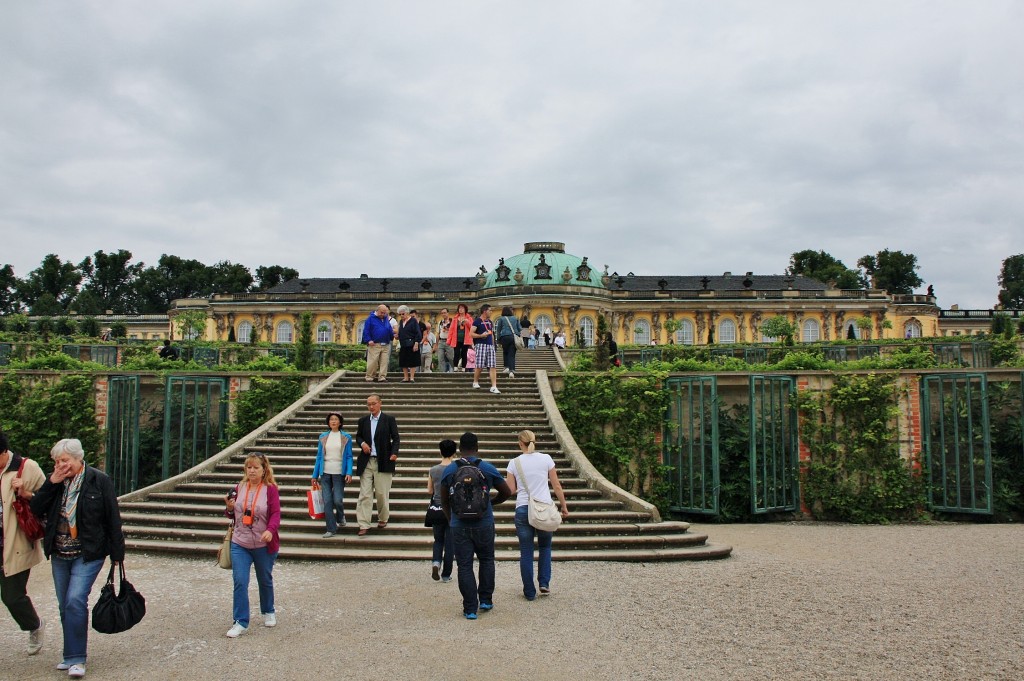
(378, 440)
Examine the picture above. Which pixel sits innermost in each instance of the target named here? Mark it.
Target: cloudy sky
(428, 138)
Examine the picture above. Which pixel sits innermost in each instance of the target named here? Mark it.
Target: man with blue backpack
(466, 499)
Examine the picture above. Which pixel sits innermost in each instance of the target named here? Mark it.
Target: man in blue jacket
(377, 336)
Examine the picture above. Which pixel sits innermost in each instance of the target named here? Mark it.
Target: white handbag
(543, 515)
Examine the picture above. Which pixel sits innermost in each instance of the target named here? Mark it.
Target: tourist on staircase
(83, 527)
(20, 477)
(441, 567)
(466, 500)
(255, 504)
(460, 335)
(378, 440)
(409, 337)
(333, 468)
(445, 352)
(528, 476)
(427, 349)
(483, 345)
(526, 332)
(377, 336)
(507, 329)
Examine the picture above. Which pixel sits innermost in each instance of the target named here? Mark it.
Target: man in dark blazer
(378, 440)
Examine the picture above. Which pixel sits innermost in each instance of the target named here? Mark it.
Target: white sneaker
(475, 386)
(236, 630)
(495, 390)
(63, 666)
(35, 638)
(76, 671)
(269, 619)
(511, 374)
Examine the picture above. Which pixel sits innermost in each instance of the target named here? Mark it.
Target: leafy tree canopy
(1011, 283)
(9, 302)
(825, 268)
(112, 279)
(267, 277)
(59, 279)
(892, 271)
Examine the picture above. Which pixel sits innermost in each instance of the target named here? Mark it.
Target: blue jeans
(467, 541)
(444, 548)
(73, 580)
(525, 531)
(332, 486)
(241, 560)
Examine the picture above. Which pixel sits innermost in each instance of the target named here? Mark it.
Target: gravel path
(796, 601)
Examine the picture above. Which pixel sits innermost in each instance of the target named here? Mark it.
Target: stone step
(400, 499)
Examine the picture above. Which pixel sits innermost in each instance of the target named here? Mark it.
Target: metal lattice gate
(122, 459)
(957, 442)
(690, 444)
(195, 412)
(774, 457)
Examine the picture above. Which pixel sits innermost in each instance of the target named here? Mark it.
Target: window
(727, 331)
(812, 330)
(684, 334)
(284, 332)
(359, 332)
(587, 329)
(323, 332)
(912, 329)
(850, 331)
(642, 332)
(244, 334)
(543, 323)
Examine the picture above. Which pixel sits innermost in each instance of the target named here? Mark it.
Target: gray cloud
(430, 138)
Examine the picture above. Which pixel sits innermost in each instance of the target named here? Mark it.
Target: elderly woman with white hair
(409, 337)
(83, 527)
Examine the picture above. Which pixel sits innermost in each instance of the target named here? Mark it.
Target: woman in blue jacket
(332, 470)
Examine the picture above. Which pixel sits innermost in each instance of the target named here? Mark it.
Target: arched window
(244, 334)
(850, 331)
(642, 332)
(812, 330)
(284, 332)
(323, 332)
(912, 329)
(359, 332)
(727, 331)
(587, 329)
(543, 323)
(684, 334)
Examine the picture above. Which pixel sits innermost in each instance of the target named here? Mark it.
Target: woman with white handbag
(528, 476)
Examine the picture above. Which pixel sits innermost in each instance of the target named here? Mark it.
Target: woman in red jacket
(459, 335)
(256, 506)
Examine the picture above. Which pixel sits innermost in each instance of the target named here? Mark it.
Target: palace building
(560, 291)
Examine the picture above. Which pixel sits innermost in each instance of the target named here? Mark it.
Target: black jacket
(409, 333)
(99, 519)
(387, 441)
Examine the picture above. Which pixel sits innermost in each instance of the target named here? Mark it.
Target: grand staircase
(188, 517)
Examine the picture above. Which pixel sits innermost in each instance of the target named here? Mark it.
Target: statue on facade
(701, 326)
(257, 327)
(741, 327)
(350, 325)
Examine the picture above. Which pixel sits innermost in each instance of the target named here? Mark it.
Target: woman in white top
(333, 468)
(538, 470)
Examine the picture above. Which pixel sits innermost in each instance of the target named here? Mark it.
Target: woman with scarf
(83, 527)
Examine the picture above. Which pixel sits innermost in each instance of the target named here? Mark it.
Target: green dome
(543, 263)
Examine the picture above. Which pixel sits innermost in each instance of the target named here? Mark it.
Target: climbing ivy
(264, 398)
(616, 420)
(856, 473)
(35, 414)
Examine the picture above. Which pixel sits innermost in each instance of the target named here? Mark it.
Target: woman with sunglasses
(255, 505)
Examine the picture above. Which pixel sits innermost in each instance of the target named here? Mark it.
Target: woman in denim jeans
(83, 527)
(332, 470)
(256, 507)
(444, 551)
(538, 470)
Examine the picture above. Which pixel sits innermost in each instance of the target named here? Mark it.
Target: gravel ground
(795, 601)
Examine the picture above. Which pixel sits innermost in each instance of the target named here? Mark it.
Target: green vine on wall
(36, 413)
(856, 473)
(265, 398)
(616, 420)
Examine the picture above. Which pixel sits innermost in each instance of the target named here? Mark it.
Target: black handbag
(117, 612)
(435, 516)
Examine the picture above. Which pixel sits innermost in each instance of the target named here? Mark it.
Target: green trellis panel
(103, 354)
(755, 355)
(195, 413)
(206, 356)
(122, 458)
(835, 353)
(865, 351)
(774, 457)
(957, 442)
(5, 354)
(649, 354)
(947, 353)
(981, 355)
(690, 443)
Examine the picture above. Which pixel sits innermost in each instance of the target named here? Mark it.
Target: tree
(112, 280)
(87, 302)
(1011, 281)
(304, 344)
(602, 360)
(864, 325)
(825, 268)
(191, 325)
(59, 279)
(172, 278)
(46, 305)
(9, 303)
(227, 277)
(892, 271)
(779, 327)
(267, 277)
